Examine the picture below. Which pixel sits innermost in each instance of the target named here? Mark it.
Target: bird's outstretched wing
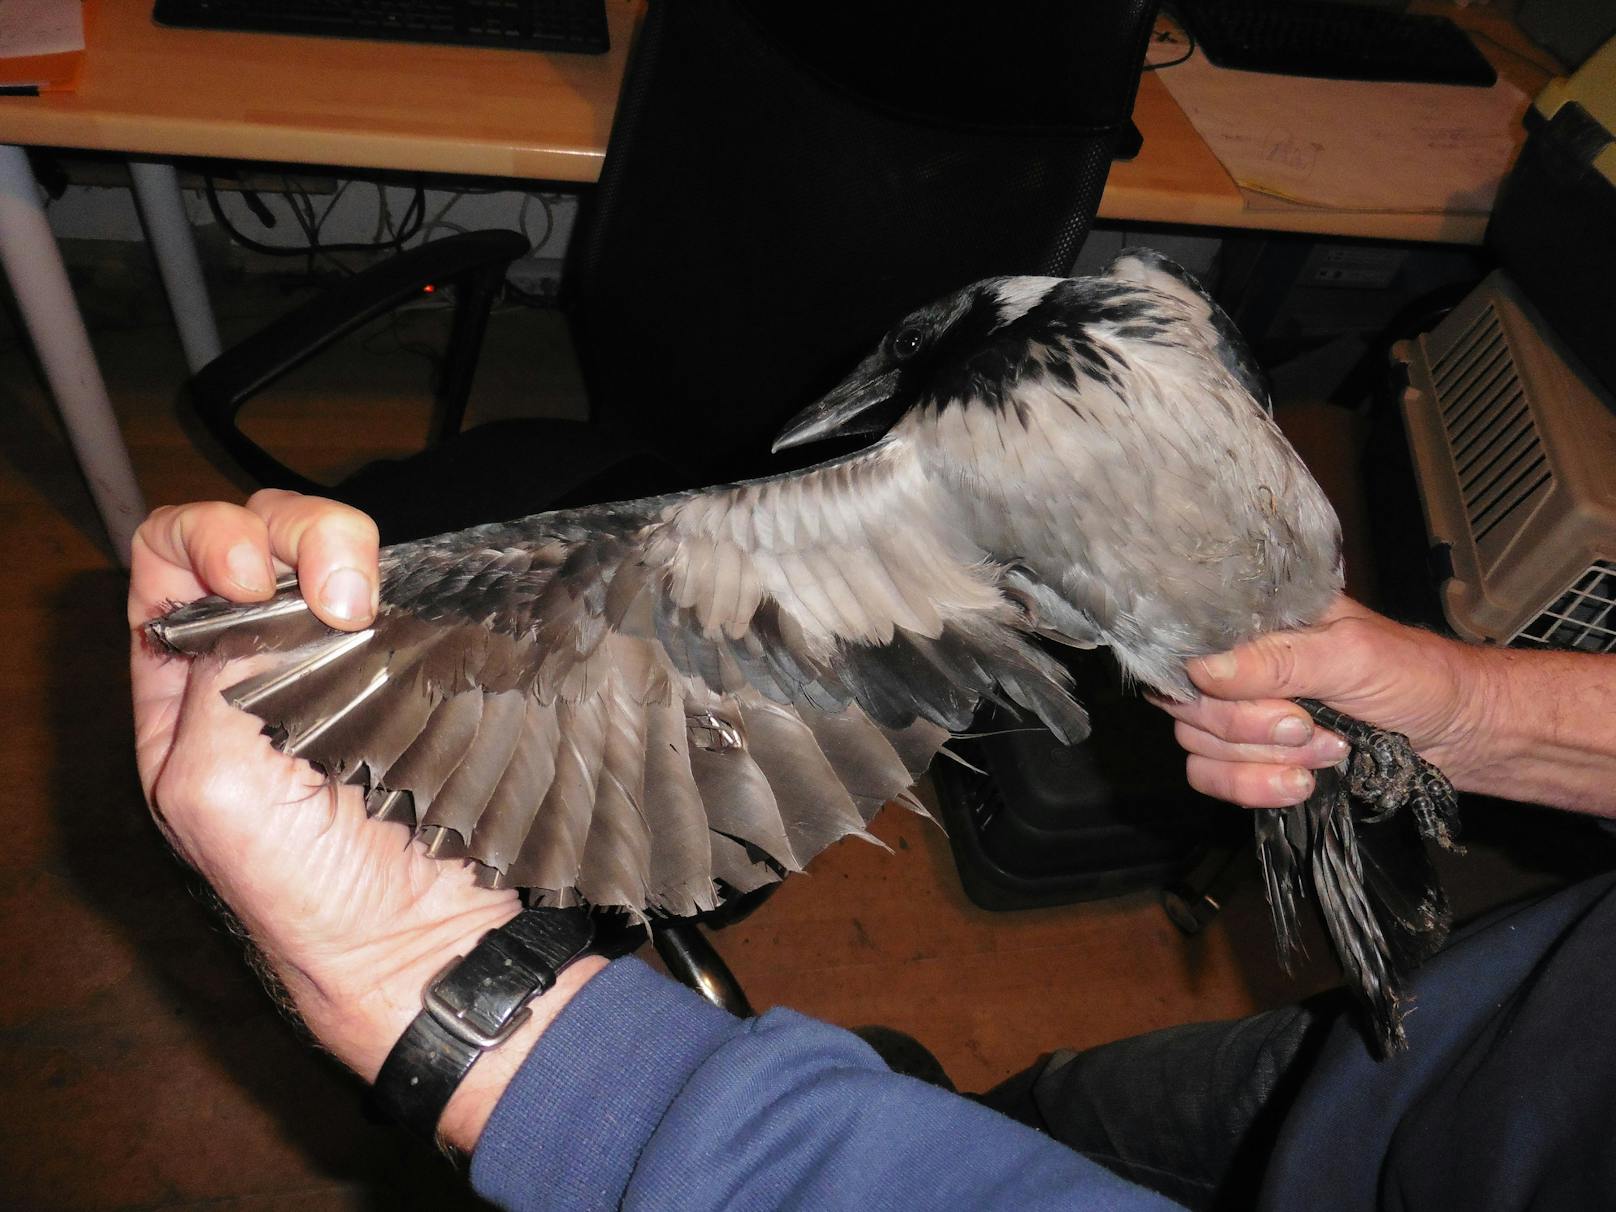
(627, 703)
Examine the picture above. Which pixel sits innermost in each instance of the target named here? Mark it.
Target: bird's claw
(1436, 807)
(1383, 771)
(1380, 771)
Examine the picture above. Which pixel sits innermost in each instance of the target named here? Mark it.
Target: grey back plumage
(1124, 460)
(645, 704)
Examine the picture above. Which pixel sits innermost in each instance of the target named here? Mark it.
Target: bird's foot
(1383, 771)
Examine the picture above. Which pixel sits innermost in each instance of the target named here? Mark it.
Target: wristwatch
(475, 1003)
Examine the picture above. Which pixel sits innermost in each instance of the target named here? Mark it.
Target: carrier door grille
(1584, 616)
(1498, 453)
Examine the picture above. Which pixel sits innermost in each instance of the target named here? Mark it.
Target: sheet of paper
(40, 27)
(1352, 145)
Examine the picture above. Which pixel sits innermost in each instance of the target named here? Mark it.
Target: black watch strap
(474, 1004)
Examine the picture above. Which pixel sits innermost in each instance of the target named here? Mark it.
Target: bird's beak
(854, 407)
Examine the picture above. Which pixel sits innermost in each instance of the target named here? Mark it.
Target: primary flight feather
(652, 703)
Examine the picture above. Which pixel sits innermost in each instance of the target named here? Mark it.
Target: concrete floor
(140, 1064)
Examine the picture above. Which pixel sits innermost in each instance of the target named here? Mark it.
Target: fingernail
(1292, 730)
(1334, 747)
(1219, 665)
(1293, 781)
(349, 594)
(249, 568)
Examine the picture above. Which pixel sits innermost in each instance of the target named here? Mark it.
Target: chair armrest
(218, 391)
(245, 369)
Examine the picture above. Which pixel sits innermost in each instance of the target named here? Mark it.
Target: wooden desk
(1176, 178)
(465, 110)
(154, 93)
(513, 114)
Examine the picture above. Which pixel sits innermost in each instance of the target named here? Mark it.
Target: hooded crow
(657, 703)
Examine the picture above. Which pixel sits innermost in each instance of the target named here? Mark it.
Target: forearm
(643, 1096)
(626, 1090)
(1546, 729)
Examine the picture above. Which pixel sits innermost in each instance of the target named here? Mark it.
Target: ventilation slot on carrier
(1497, 450)
(1583, 617)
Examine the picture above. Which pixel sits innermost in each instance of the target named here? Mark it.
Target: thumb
(1308, 662)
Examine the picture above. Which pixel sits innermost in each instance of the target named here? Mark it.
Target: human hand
(350, 917)
(1249, 744)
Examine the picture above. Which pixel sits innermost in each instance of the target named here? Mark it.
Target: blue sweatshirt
(642, 1096)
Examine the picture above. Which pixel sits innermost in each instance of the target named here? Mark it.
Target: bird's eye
(906, 343)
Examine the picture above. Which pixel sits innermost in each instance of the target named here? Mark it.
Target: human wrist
(1548, 736)
(1470, 731)
(466, 1114)
(1502, 718)
(357, 1003)
(358, 1007)
(465, 1024)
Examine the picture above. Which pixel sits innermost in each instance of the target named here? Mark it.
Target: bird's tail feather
(1282, 846)
(1377, 892)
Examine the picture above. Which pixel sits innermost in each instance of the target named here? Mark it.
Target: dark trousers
(1191, 1111)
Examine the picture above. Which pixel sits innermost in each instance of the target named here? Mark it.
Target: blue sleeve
(642, 1096)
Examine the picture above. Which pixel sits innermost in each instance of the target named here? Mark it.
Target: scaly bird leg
(1384, 772)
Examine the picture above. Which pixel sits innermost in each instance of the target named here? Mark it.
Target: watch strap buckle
(457, 1020)
(474, 1003)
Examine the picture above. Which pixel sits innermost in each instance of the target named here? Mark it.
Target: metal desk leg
(157, 191)
(39, 280)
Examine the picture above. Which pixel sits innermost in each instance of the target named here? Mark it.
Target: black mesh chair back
(784, 182)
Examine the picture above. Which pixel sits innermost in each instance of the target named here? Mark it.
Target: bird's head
(923, 358)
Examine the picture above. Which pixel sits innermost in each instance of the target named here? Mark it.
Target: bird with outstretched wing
(657, 703)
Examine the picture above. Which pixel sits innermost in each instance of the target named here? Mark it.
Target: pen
(19, 90)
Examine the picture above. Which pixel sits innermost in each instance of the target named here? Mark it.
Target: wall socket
(1356, 267)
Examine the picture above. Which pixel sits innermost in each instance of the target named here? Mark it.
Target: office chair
(781, 184)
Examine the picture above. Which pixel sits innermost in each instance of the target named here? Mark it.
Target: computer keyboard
(543, 25)
(1336, 41)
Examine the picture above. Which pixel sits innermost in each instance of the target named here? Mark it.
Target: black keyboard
(1335, 41)
(578, 26)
